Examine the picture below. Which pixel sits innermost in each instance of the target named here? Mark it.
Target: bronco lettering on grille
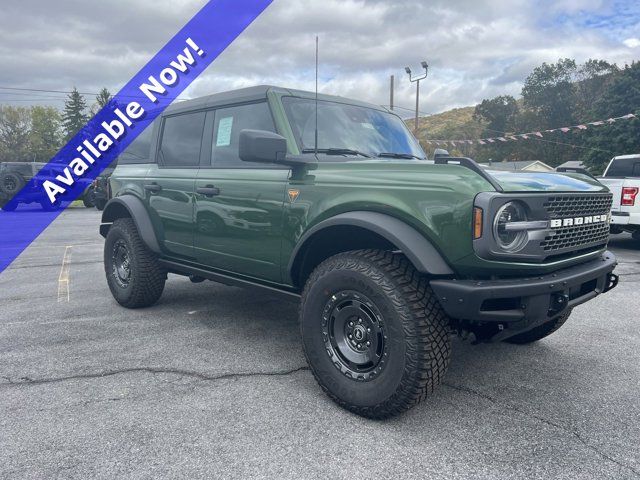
(570, 222)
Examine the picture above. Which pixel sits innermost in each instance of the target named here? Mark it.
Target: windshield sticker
(224, 132)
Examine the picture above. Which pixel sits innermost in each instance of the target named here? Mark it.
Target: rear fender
(130, 206)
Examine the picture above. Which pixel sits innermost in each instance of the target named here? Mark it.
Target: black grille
(564, 206)
(577, 236)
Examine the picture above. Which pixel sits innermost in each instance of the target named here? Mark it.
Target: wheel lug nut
(351, 324)
(350, 336)
(359, 320)
(368, 344)
(368, 329)
(359, 345)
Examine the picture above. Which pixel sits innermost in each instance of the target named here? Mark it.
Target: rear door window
(181, 140)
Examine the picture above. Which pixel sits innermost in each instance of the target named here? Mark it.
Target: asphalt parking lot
(212, 383)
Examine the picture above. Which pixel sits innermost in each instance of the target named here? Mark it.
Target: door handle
(208, 191)
(152, 187)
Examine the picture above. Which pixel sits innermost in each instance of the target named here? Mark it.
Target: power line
(59, 91)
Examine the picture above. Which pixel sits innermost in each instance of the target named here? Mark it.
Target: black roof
(252, 94)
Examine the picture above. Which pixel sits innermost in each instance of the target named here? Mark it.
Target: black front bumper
(528, 301)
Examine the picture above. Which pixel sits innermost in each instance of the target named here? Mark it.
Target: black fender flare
(418, 249)
(137, 211)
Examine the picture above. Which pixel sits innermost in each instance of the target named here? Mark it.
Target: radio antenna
(316, 133)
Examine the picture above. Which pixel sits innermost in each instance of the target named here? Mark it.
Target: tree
(74, 115)
(498, 116)
(46, 136)
(15, 128)
(498, 113)
(621, 97)
(103, 99)
(549, 91)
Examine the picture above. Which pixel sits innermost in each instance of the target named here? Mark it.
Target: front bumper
(527, 301)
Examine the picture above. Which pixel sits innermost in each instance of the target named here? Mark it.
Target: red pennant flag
(538, 134)
(502, 139)
(565, 129)
(581, 127)
(482, 142)
(490, 140)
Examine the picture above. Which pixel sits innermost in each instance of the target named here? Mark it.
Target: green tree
(549, 91)
(103, 99)
(621, 97)
(74, 115)
(46, 133)
(498, 116)
(498, 113)
(15, 128)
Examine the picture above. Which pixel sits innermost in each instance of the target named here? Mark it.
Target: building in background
(528, 166)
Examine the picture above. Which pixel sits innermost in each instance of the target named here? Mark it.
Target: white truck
(622, 176)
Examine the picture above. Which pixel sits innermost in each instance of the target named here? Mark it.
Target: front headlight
(510, 240)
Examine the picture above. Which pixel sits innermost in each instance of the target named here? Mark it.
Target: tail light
(629, 196)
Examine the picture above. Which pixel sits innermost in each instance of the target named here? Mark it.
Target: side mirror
(261, 146)
(440, 152)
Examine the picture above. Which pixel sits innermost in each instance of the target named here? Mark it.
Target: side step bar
(226, 279)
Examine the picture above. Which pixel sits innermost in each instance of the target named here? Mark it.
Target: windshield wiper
(408, 156)
(336, 151)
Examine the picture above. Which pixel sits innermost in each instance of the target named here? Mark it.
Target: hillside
(452, 124)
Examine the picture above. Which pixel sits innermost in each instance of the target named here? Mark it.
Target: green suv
(333, 202)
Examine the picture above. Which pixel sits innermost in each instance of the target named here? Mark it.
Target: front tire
(540, 332)
(134, 275)
(373, 332)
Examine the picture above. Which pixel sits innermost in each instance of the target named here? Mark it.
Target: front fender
(422, 254)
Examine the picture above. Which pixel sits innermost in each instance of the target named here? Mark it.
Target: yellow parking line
(63, 278)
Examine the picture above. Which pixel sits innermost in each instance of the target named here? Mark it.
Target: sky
(475, 49)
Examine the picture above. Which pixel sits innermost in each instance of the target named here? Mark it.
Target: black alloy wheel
(121, 263)
(354, 334)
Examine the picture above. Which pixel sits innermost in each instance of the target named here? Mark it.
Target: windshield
(345, 129)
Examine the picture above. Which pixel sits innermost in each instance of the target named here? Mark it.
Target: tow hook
(612, 282)
(559, 302)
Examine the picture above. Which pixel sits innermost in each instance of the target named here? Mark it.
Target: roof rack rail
(471, 165)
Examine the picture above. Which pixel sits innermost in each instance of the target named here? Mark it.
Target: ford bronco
(334, 203)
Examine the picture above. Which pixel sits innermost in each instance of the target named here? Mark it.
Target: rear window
(181, 140)
(138, 151)
(624, 167)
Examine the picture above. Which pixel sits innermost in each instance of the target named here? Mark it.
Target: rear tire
(373, 332)
(87, 201)
(11, 183)
(100, 204)
(134, 275)
(540, 331)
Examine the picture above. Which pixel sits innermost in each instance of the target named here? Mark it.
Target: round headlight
(508, 239)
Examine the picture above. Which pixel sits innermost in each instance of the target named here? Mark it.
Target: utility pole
(417, 81)
(391, 92)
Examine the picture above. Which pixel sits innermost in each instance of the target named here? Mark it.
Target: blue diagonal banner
(114, 127)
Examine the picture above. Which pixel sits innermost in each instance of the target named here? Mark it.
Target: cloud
(632, 42)
(475, 49)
